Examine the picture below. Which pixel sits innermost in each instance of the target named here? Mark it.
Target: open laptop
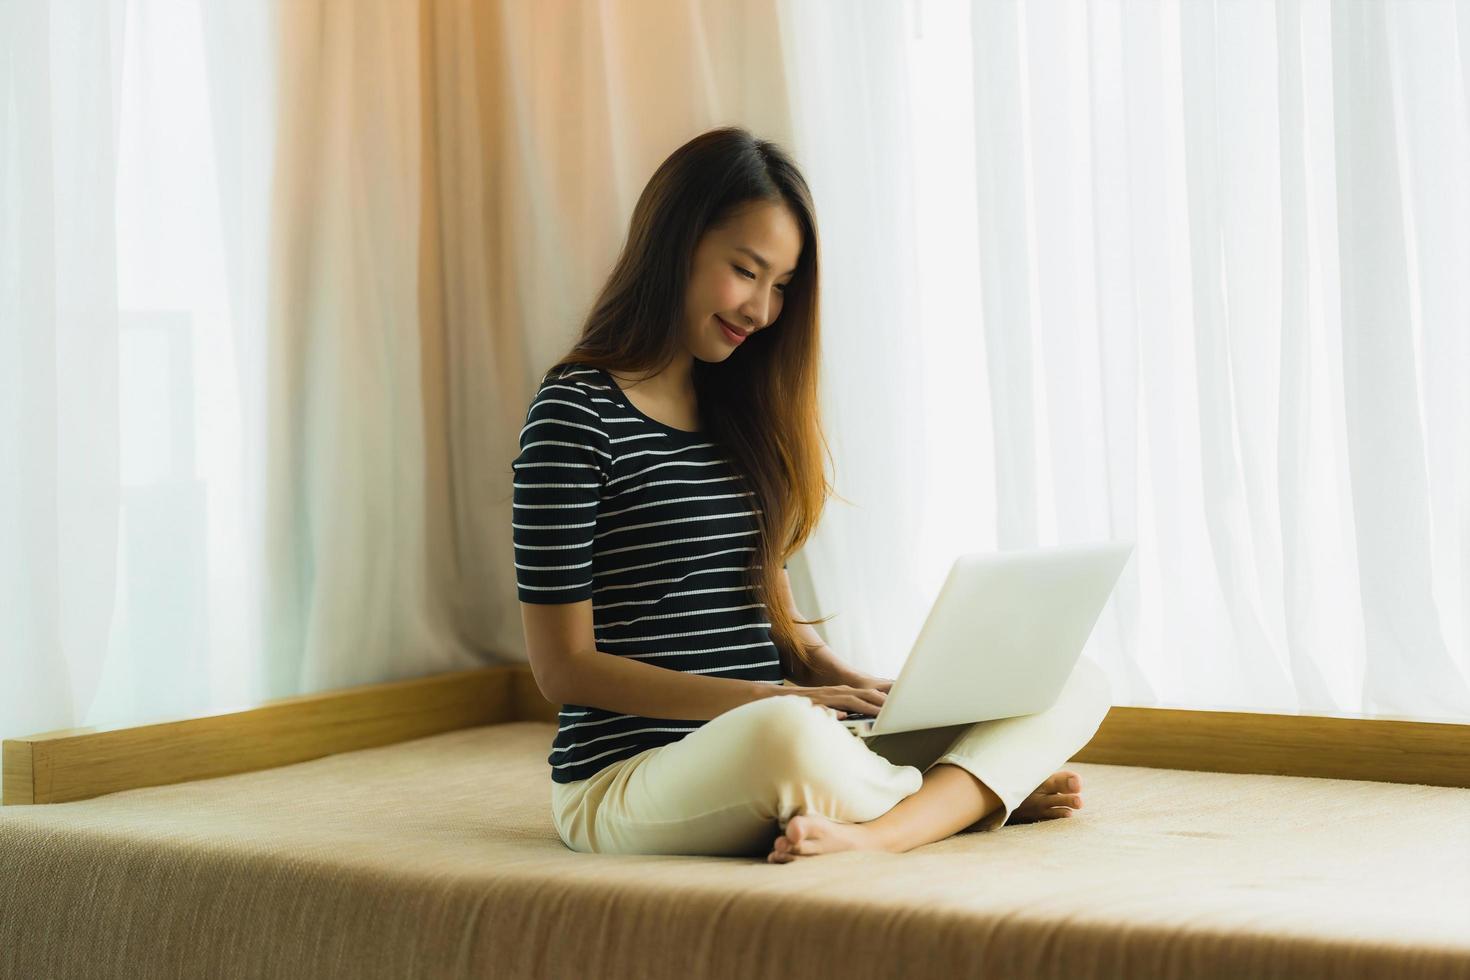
(1002, 637)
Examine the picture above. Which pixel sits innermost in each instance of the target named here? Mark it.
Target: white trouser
(729, 787)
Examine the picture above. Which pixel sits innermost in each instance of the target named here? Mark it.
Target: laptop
(1002, 637)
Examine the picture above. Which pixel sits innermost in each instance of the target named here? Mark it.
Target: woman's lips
(734, 336)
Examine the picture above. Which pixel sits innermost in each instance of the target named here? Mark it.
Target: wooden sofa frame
(80, 763)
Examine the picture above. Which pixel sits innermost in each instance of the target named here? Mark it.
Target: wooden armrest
(79, 763)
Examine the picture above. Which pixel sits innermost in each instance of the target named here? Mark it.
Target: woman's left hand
(856, 679)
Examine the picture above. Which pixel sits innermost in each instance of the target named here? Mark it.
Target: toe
(1063, 781)
(1048, 800)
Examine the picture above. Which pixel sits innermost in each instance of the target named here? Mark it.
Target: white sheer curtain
(1195, 275)
(1189, 274)
(277, 281)
(135, 140)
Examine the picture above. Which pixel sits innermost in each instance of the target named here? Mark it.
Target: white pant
(729, 787)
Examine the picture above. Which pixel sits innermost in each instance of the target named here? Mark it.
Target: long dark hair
(761, 404)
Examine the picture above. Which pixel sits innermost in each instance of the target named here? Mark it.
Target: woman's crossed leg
(782, 777)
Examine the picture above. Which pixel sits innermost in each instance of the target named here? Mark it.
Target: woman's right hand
(842, 699)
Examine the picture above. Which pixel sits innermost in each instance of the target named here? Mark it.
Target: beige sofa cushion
(437, 857)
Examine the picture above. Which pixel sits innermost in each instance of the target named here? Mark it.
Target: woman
(670, 464)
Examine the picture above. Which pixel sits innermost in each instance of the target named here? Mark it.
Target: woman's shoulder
(583, 383)
(563, 376)
(574, 373)
(568, 392)
(564, 425)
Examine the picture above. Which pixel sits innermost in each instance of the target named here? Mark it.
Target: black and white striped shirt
(651, 523)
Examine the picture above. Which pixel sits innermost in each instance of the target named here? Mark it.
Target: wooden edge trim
(76, 764)
(1373, 749)
(17, 769)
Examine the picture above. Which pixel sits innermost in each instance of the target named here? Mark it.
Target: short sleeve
(557, 482)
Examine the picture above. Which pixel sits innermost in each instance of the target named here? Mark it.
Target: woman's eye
(747, 272)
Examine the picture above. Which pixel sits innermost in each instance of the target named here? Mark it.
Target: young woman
(670, 464)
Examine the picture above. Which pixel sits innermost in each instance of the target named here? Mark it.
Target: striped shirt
(652, 524)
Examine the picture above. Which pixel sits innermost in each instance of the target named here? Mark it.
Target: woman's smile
(733, 335)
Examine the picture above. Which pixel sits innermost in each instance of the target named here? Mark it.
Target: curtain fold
(849, 94)
(1217, 256)
(1389, 345)
(273, 310)
(351, 598)
(59, 488)
(277, 282)
(542, 123)
(134, 151)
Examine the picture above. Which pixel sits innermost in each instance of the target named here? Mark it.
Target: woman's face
(740, 270)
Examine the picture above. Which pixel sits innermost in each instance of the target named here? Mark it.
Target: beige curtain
(1100, 271)
(453, 183)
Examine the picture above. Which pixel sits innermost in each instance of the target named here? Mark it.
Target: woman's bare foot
(1056, 797)
(812, 833)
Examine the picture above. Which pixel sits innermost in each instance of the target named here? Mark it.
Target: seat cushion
(437, 857)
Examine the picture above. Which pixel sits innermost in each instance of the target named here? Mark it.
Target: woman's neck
(674, 384)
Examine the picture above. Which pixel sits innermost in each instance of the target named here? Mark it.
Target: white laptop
(1002, 637)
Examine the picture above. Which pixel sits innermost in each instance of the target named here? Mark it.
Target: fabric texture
(262, 364)
(1191, 275)
(731, 786)
(438, 858)
(1208, 292)
(652, 524)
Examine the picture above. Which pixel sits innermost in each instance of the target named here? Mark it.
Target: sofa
(394, 835)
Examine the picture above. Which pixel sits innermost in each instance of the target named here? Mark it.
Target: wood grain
(1376, 749)
(77, 764)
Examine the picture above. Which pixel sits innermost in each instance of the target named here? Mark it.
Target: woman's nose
(754, 313)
